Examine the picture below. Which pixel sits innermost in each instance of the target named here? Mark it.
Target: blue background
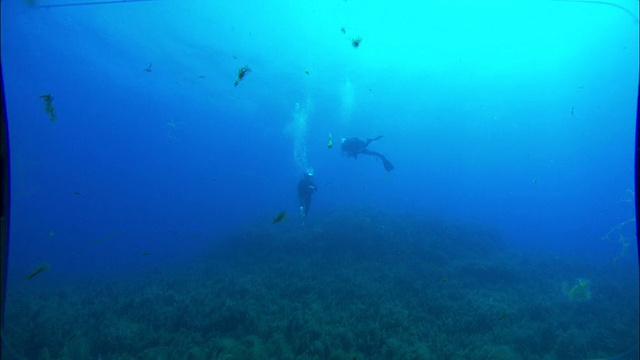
(518, 117)
(141, 218)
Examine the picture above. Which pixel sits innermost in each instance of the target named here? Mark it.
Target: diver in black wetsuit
(306, 188)
(354, 147)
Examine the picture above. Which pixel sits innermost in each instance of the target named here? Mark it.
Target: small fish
(148, 68)
(76, 193)
(573, 113)
(356, 42)
(37, 271)
(330, 142)
(241, 73)
(343, 30)
(71, 338)
(280, 217)
(145, 254)
(503, 315)
(106, 237)
(48, 106)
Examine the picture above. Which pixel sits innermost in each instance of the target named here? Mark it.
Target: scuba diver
(354, 147)
(306, 188)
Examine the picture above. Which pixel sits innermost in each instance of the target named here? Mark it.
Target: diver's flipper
(387, 164)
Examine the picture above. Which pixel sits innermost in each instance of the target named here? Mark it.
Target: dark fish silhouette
(37, 271)
(280, 217)
(241, 73)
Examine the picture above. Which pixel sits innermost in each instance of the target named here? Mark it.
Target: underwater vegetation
(578, 291)
(354, 283)
(624, 232)
(48, 106)
(241, 73)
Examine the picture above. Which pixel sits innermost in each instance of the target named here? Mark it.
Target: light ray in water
(603, 3)
(347, 98)
(88, 3)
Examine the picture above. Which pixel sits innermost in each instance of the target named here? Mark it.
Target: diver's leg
(302, 207)
(369, 141)
(306, 207)
(387, 164)
(369, 152)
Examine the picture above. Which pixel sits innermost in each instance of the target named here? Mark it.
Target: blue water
(518, 118)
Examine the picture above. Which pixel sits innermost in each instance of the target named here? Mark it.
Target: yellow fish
(330, 142)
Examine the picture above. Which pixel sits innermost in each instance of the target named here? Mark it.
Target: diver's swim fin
(387, 164)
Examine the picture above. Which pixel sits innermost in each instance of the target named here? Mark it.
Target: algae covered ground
(344, 285)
